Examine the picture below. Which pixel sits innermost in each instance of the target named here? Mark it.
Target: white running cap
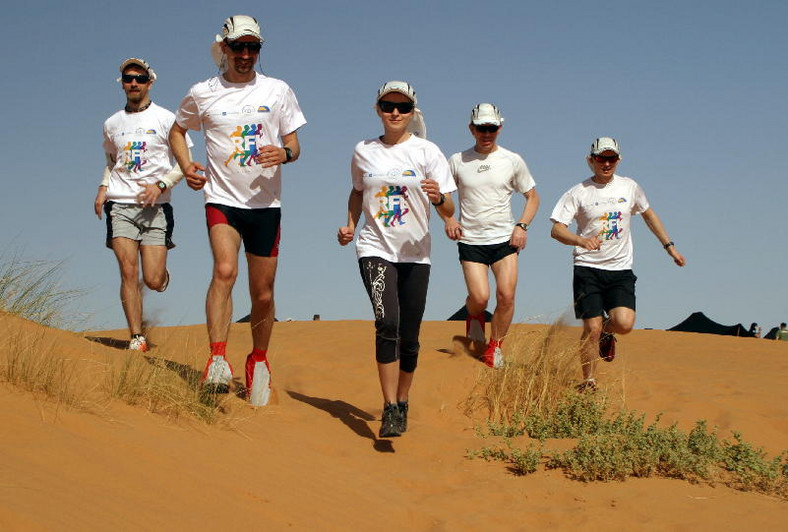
(137, 62)
(400, 87)
(603, 144)
(486, 113)
(239, 26)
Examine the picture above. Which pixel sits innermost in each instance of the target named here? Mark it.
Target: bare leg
(262, 272)
(127, 253)
(225, 244)
(592, 329)
(505, 272)
(622, 320)
(478, 284)
(154, 266)
(389, 380)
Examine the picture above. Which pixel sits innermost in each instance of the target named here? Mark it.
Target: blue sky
(694, 91)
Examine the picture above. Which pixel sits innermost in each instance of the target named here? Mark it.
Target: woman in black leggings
(395, 178)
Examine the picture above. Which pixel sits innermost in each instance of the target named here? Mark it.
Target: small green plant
(614, 447)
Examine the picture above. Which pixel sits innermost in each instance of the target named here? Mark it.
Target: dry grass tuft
(163, 387)
(30, 363)
(540, 367)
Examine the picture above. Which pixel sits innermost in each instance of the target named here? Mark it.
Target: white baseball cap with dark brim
(136, 61)
(239, 26)
(401, 87)
(603, 144)
(486, 114)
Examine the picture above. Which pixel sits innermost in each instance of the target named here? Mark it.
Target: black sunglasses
(388, 107)
(239, 46)
(487, 128)
(142, 79)
(603, 158)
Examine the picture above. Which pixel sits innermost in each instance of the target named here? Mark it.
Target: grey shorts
(150, 226)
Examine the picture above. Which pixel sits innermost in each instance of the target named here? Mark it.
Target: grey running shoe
(390, 425)
(403, 416)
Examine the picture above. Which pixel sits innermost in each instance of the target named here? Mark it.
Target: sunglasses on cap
(239, 46)
(142, 79)
(605, 158)
(388, 107)
(487, 128)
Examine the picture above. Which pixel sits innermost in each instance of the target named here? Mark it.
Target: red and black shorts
(259, 228)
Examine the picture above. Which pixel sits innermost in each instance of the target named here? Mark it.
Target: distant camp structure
(700, 323)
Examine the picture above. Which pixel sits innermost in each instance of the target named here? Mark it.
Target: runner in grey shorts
(135, 192)
(150, 226)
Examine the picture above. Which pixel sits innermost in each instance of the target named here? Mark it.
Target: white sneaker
(258, 381)
(217, 375)
(498, 358)
(138, 343)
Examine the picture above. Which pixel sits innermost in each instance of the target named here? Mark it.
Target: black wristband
(442, 201)
(666, 246)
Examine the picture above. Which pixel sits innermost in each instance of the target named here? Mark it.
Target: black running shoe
(403, 416)
(390, 425)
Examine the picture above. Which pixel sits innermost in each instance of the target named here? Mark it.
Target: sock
(219, 349)
(258, 355)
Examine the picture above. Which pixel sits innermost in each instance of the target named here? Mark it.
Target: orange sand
(311, 459)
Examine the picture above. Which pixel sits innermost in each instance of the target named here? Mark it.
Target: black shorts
(487, 254)
(259, 228)
(596, 290)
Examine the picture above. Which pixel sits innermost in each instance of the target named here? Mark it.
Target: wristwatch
(288, 154)
(522, 226)
(162, 186)
(442, 200)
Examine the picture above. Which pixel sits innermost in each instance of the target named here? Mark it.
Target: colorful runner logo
(393, 205)
(246, 140)
(610, 226)
(134, 152)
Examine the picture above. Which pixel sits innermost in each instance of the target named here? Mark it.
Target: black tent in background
(461, 314)
(700, 323)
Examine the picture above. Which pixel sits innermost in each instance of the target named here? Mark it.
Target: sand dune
(311, 459)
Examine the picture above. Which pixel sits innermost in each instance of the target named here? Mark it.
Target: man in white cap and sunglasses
(250, 122)
(135, 192)
(604, 284)
(487, 176)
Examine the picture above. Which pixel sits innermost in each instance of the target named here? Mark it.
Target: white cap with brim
(401, 87)
(603, 144)
(486, 114)
(135, 61)
(417, 126)
(234, 28)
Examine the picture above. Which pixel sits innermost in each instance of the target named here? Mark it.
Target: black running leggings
(398, 293)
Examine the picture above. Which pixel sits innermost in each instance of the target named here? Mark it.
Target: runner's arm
(655, 225)
(345, 233)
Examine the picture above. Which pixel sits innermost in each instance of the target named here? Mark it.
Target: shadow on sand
(462, 345)
(354, 418)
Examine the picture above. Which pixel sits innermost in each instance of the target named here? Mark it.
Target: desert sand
(311, 459)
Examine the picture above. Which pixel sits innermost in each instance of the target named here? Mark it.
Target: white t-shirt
(486, 183)
(238, 119)
(396, 209)
(138, 144)
(604, 211)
